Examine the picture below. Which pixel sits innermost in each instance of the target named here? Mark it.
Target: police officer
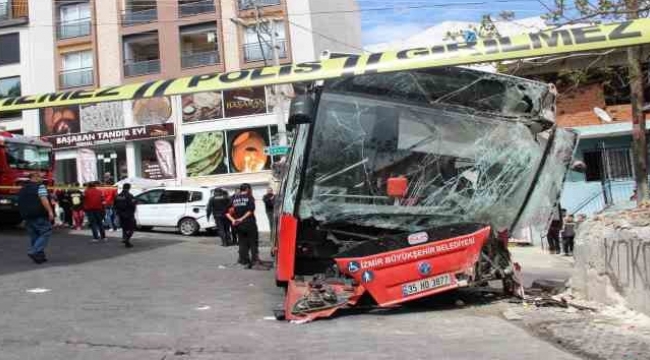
(218, 206)
(242, 217)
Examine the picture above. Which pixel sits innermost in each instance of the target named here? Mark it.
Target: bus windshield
(28, 157)
(465, 160)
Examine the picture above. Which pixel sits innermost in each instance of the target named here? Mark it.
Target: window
(10, 45)
(139, 12)
(594, 162)
(196, 196)
(77, 69)
(174, 197)
(10, 87)
(150, 197)
(5, 10)
(74, 20)
(250, 4)
(199, 46)
(194, 7)
(141, 54)
(258, 48)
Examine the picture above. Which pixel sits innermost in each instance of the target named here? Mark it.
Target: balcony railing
(250, 4)
(195, 8)
(69, 30)
(76, 78)
(135, 17)
(137, 68)
(253, 52)
(199, 59)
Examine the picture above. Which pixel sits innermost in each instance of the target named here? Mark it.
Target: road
(174, 297)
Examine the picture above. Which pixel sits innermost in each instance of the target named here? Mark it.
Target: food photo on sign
(60, 120)
(202, 106)
(245, 102)
(152, 111)
(102, 116)
(247, 150)
(205, 154)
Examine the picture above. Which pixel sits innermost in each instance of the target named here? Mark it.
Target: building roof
(606, 130)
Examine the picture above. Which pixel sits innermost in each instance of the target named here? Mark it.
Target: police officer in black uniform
(217, 207)
(242, 217)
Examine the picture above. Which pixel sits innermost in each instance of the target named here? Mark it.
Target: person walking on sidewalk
(242, 217)
(269, 204)
(35, 208)
(110, 193)
(568, 235)
(94, 208)
(217, 207)
(125, 209)
(77, 203)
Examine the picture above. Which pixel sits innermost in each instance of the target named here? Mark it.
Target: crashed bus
(401, 186)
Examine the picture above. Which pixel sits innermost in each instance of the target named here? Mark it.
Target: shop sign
(153, 171)
(276, 150)
(245, 102)
(111, 136)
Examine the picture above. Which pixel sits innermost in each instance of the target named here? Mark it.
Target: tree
(618, 10)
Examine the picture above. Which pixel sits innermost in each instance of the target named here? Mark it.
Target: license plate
(426, 284)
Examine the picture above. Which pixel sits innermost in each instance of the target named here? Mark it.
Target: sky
(404, 18)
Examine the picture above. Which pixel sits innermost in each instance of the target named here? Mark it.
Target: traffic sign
(276, 150)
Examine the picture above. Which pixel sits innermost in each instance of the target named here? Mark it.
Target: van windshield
(28, 157)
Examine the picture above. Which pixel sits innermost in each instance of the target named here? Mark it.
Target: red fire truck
(20, 156)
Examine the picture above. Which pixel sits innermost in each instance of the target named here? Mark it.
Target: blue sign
(276, 150)
(469, 36)
(424, 268)
(353, 267)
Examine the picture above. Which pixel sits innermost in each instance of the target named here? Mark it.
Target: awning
(606, 130)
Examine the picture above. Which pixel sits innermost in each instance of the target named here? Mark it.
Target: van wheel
(188, 227)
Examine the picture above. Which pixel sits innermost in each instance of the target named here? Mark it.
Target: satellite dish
(603, 115)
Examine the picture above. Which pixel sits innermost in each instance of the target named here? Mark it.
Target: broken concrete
(612, 254)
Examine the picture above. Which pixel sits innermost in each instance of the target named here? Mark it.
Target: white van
(183, 208)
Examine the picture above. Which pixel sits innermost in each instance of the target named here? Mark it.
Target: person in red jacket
(94, 208)
(109, 199)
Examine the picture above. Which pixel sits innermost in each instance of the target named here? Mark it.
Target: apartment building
(26, 58)
(110, 42)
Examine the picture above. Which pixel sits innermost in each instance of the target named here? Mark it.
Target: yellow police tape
(552, 42)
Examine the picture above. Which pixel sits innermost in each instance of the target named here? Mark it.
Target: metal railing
(250, 4)
(69, 30)
(196, 7)
(199, 59)
(76, 78)
(136, 68)
(134, 17)
(254, 52)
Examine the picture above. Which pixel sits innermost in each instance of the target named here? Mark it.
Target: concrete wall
(613, 260)
(109, 58)
(336, 25)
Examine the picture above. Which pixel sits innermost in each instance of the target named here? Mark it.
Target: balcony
(132, 17)
(76, 78)
(199, 59)
(138, 68)
(70, 30)
(250, 4)
(254, 53)
(14, 12)
(191, 8)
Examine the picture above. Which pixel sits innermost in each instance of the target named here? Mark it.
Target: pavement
(174, 297)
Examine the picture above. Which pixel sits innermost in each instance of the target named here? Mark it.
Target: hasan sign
(110, 136)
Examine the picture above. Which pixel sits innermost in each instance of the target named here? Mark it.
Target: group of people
(236, 223)
(99, 206)
(562, 232)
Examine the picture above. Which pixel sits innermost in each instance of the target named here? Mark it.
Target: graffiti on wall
(629, 262)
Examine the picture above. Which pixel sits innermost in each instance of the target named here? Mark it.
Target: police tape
(545, 43)
(56, 188)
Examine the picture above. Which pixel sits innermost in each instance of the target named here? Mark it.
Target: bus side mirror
(302, 110)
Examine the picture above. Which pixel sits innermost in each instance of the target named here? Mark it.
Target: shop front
(111, 141)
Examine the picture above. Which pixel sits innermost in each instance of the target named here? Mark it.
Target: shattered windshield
(462, 165)
(28, 157)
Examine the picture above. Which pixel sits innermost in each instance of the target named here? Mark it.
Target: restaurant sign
(111, 136)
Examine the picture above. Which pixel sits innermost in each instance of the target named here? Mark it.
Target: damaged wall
(613, 259)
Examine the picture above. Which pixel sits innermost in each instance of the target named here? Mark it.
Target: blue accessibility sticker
(367, 276)
(424, 268)
(353, 267)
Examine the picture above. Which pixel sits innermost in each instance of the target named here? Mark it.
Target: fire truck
(20, 156)
(405, 185)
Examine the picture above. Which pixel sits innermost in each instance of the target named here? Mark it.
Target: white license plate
(426, 284)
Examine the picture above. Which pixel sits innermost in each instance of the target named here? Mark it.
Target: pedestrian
(94, 208)
(242, 217)
(125, 208)
(63, 197)
(269, 204)
(77, 204)
(553, 234)
(109, 192)
(217, 207)
(231, 229)
(568, 235)
(108, 179)
(35, 208)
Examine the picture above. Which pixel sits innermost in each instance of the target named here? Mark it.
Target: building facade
(212, 139)
(26, 58)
